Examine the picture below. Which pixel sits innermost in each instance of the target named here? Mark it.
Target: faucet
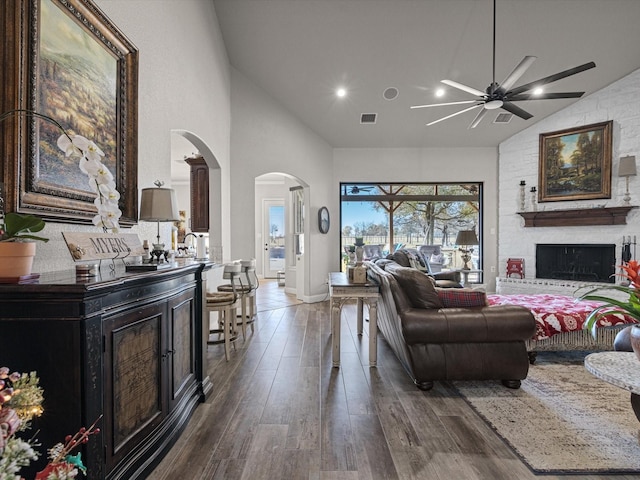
(191, 247)
(190, 234)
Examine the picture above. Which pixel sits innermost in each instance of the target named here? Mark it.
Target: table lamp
(158, 205)
(466, 238)
(626, 169)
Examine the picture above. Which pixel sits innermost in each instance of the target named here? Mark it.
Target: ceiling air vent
(368, 118)
(503, 118)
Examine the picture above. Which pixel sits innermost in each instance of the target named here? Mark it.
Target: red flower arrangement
(627, 301)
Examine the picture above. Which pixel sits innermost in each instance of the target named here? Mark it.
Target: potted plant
(625, 300)
(17, 247)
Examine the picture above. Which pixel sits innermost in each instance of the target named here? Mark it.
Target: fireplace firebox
(580, 262)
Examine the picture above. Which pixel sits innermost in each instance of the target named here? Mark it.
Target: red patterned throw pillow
(462, 297)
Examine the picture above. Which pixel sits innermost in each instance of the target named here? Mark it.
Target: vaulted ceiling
(300, 51)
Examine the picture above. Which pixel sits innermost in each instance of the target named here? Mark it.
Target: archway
(276, 188)
(184, 144)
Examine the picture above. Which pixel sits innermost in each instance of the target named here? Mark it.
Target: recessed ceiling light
(390, 93)
(538, 91)
(440, 92)
(341, 92)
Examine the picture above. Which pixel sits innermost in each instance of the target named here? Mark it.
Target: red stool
(515, 266)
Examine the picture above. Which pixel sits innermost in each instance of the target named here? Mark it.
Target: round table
(621, 369)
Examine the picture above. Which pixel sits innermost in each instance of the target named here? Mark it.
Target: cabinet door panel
(134, 403)
(182, 315)
(199, 194)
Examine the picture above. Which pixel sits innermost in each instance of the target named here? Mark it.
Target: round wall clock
(323, 219)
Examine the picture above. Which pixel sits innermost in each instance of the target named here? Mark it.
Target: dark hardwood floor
(280, 411)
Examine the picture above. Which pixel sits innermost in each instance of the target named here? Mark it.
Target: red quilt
(557, 313)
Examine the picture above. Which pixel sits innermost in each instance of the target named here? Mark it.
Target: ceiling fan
(354, 190)
(502, 95)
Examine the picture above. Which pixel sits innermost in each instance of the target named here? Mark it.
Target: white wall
(183, 84)
(265, 138)
(518, 160)
(428, 165)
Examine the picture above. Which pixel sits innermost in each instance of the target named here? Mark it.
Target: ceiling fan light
(493, 104)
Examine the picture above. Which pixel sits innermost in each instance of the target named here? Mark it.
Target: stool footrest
(232, 338)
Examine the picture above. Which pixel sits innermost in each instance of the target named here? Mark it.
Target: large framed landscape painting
(575, 164)
(65, 59)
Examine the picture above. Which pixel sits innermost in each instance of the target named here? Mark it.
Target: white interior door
(273, 234)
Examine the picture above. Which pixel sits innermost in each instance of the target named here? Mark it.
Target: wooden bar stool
(246, 288)
(226, 305)
(249, 269)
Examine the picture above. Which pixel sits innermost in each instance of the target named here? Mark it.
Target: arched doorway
(183, 145)
(280, 243)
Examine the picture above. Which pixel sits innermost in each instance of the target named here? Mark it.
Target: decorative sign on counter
(85, 247)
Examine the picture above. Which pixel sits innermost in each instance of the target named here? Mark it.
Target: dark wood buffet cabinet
(130, 347)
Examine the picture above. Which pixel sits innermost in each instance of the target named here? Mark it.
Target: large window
(391, 216)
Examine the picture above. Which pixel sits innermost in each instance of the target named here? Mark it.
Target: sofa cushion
(461, 297)
(418, 286)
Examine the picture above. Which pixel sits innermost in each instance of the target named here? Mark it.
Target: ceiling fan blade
(544, 96)
(517, 72)
(478, 119)
(464, 88)
(510, 107)
(552, 78)
(453, 114)
(443, 104)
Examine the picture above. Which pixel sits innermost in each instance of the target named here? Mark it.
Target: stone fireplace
(563, 269)
(578, 262)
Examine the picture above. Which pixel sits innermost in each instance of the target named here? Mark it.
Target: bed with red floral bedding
(558, 314)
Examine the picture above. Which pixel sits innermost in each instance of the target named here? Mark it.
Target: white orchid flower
(89, 166)
(108, 190)
(66, 145)
(108, 215)
(89, 149)
(103, 175)
(101, 180)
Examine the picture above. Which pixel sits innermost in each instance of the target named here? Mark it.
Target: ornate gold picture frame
(575, 164)
(65, 59)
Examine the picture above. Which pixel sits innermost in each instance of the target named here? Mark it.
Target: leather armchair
(432, 254)
(410, 257)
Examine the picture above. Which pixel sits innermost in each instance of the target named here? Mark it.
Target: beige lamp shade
(159, 205)
(627, 167)
(467, 237)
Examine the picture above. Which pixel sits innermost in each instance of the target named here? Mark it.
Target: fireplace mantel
(577, 217)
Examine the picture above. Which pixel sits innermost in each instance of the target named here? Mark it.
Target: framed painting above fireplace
(575, 164)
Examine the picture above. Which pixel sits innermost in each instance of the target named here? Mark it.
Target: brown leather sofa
(434, 342)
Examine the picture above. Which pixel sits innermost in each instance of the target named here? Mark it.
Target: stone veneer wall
(518, 160)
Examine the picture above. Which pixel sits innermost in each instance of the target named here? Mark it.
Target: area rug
(562, 420)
